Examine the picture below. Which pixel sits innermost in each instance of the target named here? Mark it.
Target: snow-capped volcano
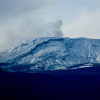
(51, 54)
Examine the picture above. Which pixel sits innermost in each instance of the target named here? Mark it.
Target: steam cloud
(29, 29)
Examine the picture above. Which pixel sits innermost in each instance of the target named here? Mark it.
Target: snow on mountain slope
(51, 54)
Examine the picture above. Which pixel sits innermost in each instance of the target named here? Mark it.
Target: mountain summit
(51, 53)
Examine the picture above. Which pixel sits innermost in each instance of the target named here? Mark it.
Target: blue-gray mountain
(51, 54)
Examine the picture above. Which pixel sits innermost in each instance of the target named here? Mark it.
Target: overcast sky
(25, 19)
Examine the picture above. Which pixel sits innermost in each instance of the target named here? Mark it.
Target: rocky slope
(51, 54)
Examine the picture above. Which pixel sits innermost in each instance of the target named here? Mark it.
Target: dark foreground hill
(80, 84)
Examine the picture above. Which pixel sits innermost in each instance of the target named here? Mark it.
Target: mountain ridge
(51, 53)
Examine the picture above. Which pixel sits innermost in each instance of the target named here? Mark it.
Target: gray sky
(24, 19)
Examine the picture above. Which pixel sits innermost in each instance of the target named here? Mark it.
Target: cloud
(22, 19)
(12, 8)
(29, 29)
(88, 25)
